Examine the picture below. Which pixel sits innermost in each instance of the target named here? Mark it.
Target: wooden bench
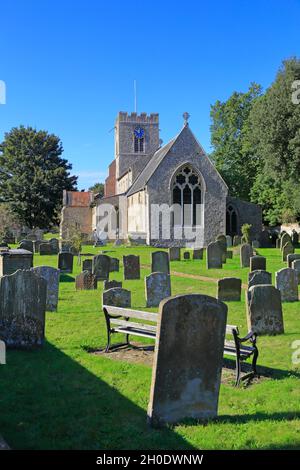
(118, 321)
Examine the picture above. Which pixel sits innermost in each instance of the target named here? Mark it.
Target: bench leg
(237, 371)
(254, 361)
(108, 342)
(127, 340)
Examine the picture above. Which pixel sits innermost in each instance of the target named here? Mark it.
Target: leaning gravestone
(65, 262)
(259, 277)
(45, 249)
(258, 263)
(245, 255)
(291, 258)
(85, 281)
(114, 265)
(198, 253)
(285, 239)
(185, 378)
(286, 281)
(296, 267)
(214, 256)
(12, 260)
(22, 309)
(117, 297)
(287, 249)
(264, 310)
(26, 245)
(51, 276)
(157, 288)
(160, 262)
(111, 284)
(237, 240)
(174, 253)
(131, 265)
(101, 267)
(87, 265)
(229, 288)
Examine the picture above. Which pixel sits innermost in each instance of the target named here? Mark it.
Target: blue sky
(69, 66)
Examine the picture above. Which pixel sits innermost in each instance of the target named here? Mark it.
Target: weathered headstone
(285, 238)
(296, 267)
(229, 241)
(36, 246)
(258, 263)
(245, 255)
(186, 255)
(255, 244)
(51, 276)
(157, 288)
(26, 245)
(291, 258)
(160, 262)
(131, 265)
(87, 265)
(86, 281)
(117, 297)
(65, 262)
(174, 253)
(111, 284)
(237, 240)
(114, 265)
(198, 253)
(295, 238)
(278, 242)
(259, 277)
(101, 267)
(229, 288)
(12, 260)
(185, 377)
(22, 309)
(118, 242)
(287, 249)
(45, 249)
(265, 239)
(214, 256)
(286, 281)
(221, 239)
(264, 310)
(54, 246)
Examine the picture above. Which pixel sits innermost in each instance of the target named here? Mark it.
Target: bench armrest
(251, 336)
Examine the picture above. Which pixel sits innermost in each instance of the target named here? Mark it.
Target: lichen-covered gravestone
(51, 276)
(245, 254)
(174, 253)
(229, 288)
(111, 284)
(65, 262)
(258, 263)
(286, 281)
(291, 258)
(131, 265)
(87, 265)
(259, 277)
(160, 262)
(287, 249)
(157, 288)
(198, 253)
(101, 267)
(188, 359)
(86, 281)
(114, 265)
(264, 310)
(117, 297)
(214, 256)
(296, 267)
(22, 309)
(12, 260)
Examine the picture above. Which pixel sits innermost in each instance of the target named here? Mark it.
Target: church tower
(136, 139)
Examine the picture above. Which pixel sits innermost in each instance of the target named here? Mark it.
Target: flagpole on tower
(135, 98)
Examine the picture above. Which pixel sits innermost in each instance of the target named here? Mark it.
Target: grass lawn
(62, 397)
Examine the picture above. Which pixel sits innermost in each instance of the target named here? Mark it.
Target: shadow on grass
(49, 401)
(66, 278)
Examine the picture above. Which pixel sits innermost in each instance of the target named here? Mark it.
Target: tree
(232, 157)
(33, 175)
(97, 188)
(7, 220)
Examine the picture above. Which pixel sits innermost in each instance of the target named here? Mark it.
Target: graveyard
(70, 394)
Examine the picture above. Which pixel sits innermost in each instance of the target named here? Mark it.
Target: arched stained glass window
(186, 192)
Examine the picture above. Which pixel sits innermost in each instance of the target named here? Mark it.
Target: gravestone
(54, 243)
(114, 265)
(188, 359)
(229, 288)
(265, 239)
(258, 263)
(259, 277)
(198, 253)
(12, 260)
(174, 253)
(36, 246)
(287, 249)
(131, 265)
(45, 249)
(87, 265)
(117, 297)
(278, 242)
(22, 309)
(118, 242)
(291, 258)
(286, 281)
(285, 239)
(51, 276)
(229, 254)
(186, 255)
(111, 284)
(214, 256)
(296, 267)
(221, 239)
(255, 244)
(101, 266)
(264, 310)
(26, 245)
(86, 281)
(295, 238)
(65, 262)
(160, 262)
(157, 288)
(229, 241)
(245, 255)
(237, 240)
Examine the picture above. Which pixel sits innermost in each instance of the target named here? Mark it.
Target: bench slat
(229, 329)
(127, 312)
(135, 332)
(141, 326)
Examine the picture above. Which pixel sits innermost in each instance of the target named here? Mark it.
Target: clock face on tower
(139, 132)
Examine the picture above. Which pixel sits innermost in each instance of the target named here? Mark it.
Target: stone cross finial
(186, 118)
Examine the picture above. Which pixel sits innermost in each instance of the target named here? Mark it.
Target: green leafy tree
(246, 232)
(33, 175)
(97, 188)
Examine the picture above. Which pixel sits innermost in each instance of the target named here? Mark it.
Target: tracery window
(186, 192)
